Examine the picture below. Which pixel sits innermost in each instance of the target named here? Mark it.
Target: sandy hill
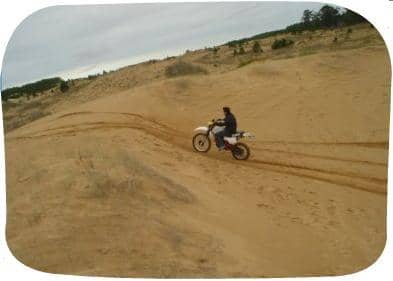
(107, 183)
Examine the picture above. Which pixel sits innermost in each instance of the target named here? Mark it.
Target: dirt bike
(201, 141)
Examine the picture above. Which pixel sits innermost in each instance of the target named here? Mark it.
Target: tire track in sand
(171, 135)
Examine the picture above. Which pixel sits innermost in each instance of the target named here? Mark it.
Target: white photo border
(13, 12)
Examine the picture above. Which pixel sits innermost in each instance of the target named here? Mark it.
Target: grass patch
(181, 68)
(244, 63)
(307, 51)
(18, 121)
(18, 115)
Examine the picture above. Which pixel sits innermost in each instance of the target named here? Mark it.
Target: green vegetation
(240, 42)
(180, 68)
(31, 88)
(281, 43)
(237, 52)
(244, 63)
(256, 48)
(93, 76)
(326, 17)
(64, 86)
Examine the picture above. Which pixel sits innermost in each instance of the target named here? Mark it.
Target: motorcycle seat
(238, 133)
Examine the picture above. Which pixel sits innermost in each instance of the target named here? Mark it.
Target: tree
(328, 16)
(28, 89)
(350, 17)
(308, 17)
(310, 20)
(64, 86)
(256, 48)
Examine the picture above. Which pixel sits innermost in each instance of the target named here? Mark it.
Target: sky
(75, 41)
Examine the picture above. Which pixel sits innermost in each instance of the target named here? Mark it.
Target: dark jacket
(230, 123)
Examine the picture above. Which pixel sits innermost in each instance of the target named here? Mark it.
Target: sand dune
(108, 184)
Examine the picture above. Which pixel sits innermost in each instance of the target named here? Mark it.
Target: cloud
(65, 39)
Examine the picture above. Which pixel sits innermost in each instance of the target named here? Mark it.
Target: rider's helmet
(226, 109)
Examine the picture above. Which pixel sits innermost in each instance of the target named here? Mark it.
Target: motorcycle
(202, 143)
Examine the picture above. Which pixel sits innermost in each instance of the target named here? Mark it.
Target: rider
(230, 127)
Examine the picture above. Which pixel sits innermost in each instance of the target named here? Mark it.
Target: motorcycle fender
(201, 129)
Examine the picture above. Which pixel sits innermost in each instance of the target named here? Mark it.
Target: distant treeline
(326, 17)
(32, 88)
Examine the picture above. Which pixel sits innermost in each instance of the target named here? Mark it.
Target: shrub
(180, 68)
(92, 76)
(281, 43)
(64, 86)
(235, 52)
(241, 51)
(256, 48)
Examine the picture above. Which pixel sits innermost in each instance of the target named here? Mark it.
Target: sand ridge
(108, 184)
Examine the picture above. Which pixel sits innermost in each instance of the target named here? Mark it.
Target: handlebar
(217, 121)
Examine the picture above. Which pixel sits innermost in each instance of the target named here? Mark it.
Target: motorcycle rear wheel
(240, 151)
(201, 142)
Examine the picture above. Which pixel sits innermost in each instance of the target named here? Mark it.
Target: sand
(107, 184)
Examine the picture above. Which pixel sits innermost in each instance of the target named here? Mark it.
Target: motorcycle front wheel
(201, 142)
(240, 151)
